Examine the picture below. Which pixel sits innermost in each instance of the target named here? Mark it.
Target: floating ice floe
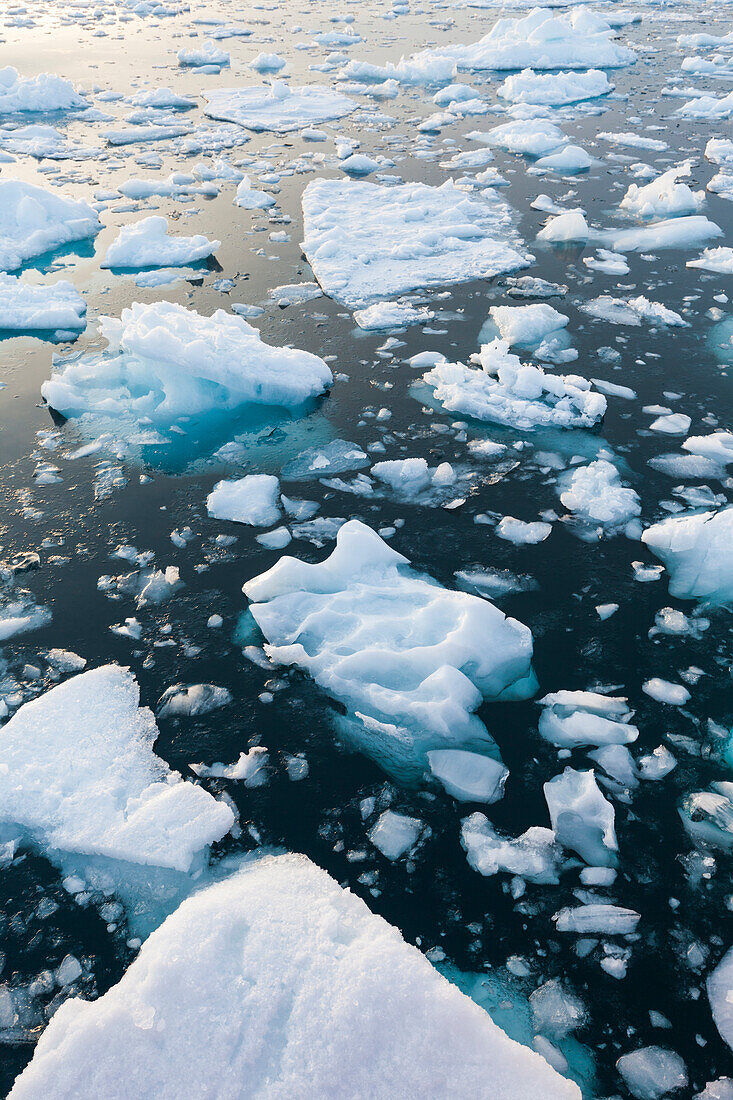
(78, 776)
(715, 259)
(571, 159)
(600, 504)
(570, 226)
(44, 142)
(207, 55)
(147, 244)
(468, 777)
(535, 855)
(708, 106)
(554, 89)
(720, 995)
(277, 106)
(683, 232)
(337, 457)
(409, 689)
(189, 699)
(695, 548)
(250, 198)
(26, 307)
(396, 835)
(257, 969)
(718, 446)
(34, 221)
(252, 499)
(19, 612)
(391, 315)
(534, 137)
(599, 917)
(523, 396)
(43, 93)
(651, 1073)
(367, 241)
(251, 768)
(521, 533)
(164, 362)
(571, 719)
(632, 311)
(708, 816)
(534, 326)
(578, 39)
(582, 819)
(664, 197)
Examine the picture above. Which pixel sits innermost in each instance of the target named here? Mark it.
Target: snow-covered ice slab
(410, 659)
(696, 549)
(164, 362)
(367, 241)
(42, 93)
(523, 396)
(554, 89)
(275, 973)
(25, 307)
(78, 776)
(34, 220)
(147, 243)
(277, 106)
(578, 39)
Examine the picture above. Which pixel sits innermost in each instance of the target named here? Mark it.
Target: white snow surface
(367, 241)
(411, 660)
(34, 220)
(78, 774)
(274, 973)
(277, 106)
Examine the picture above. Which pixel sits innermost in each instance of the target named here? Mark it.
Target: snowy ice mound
(578, 39)
(600, 504)
(277, 106)
(410, 659)
(27, 308)
(519, 395)
(164, 362)
(37, 93)
(147, 244)
(367, 241)
(696, 549)
(34, 220)
(275, 973)
(78, 775)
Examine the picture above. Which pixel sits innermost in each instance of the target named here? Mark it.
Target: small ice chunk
(583, 820)
(147, 244)
(534, 856)
(395, 834)
(599, 917)
(665, 692)
(467, 776)
(575, 718)
(181, 700)
(521, 533)
(652, 1072)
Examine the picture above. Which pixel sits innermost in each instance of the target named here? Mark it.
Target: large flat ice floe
(367, 241)
(554, 89)
(578, 39)
(411, 660)
(34, 220)
(504, 390)
(277, 106)
(274, 974)
(78, 776)
(696, 550)
(164, 362)
(42, 93)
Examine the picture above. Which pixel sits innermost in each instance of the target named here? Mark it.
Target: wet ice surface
(109, 551)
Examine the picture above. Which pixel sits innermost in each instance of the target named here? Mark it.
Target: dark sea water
(435, 899)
